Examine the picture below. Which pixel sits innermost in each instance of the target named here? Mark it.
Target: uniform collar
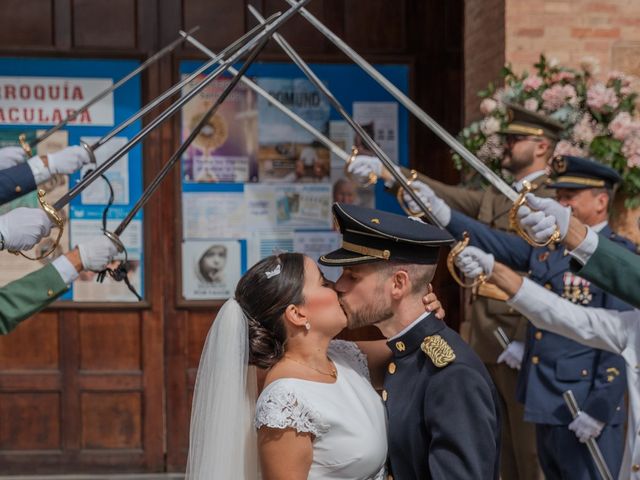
(601, 227)
(410, 339)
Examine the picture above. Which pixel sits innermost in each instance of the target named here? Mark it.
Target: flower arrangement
(599, 113)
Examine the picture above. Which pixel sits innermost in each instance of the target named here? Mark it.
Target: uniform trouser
(518, 454)
(563, 457)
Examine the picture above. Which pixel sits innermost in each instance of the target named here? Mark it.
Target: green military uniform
(614, 269)
(23, 297)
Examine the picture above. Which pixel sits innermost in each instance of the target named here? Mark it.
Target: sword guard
(453, 254)
(515, 224)
(373, 178)
(400, 197)
(116, 240)
(22, 138)
(92, 156)
(57, 221)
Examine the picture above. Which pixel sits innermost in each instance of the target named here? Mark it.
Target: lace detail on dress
(381, 475)
(280, 407)
(350, 352)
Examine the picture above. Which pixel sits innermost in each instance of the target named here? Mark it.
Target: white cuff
(523, 296)
(66, 269)
(40, 172)
(583, 252)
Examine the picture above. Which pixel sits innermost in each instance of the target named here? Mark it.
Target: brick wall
(484, 53)
(608, 30)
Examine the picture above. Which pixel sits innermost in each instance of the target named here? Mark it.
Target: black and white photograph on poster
(380, 121)
(210, 269)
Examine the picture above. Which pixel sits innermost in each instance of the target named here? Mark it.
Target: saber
(28, 146)
(502, 338)
(326, 141)
(168, 93)
(240, 51)
(446, 137)
(369, 142)
(153, 186)
(592, 445)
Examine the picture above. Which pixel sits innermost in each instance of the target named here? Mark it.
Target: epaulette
(438, 350)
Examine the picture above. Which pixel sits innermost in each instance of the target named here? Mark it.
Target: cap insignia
(559, 164)
(376, 221)
(438, 350)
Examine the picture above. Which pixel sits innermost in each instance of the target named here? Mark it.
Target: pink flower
(558, 96)
(531, 104)
(562, 76)
(631, 150)
(492, 148)
(564, 147)
(622, 125)
(489, 126)
(601, 98)
(584, 131)
(488, 105)
(532, 83)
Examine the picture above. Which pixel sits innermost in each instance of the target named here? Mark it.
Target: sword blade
(153, 186)
(178, 86)
(147, 63)
(502, 337)
(410, 105)
(592, 445)
(326, 141)
(267, 32)
(369, 142)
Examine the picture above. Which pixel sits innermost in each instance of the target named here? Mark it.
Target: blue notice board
(254, 182)
(35, 93)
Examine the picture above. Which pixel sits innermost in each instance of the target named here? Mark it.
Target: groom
(441, 403)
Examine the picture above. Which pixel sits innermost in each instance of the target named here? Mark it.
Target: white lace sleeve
(280, 406)
(350, 352)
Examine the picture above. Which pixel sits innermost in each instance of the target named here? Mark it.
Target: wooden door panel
(32, 345)
(111, 420)
(220, 21)
(110, 342)
(98, 24)
(26, 24)
(30, 421)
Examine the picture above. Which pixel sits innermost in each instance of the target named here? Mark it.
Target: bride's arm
(285, 454)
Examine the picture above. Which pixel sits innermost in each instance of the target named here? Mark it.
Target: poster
(37, 93)
(287, 153)
(214, 214)
(225, 148)
(210, 268)
(380, 121)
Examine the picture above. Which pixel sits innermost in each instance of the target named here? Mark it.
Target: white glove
(512, 355)
(541, 222)
(22, 228)
(97, 253)
(473, 262)
(11, 156)
(68, 160)
(586, 427)
(363, 165)
(434, 203)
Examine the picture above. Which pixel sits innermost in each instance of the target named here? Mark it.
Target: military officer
(443, 411)
(23, 178)
(595, 258)
(28, 295)
(530, 140)
(551, 363)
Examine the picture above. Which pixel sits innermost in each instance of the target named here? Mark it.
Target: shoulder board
(438, 350)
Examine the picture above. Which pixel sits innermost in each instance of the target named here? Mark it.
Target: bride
(318, 415)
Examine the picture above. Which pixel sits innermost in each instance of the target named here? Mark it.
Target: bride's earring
(307, 326)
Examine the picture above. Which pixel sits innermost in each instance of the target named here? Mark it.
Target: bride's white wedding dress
(346, 418)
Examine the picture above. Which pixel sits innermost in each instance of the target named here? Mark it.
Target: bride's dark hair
(264, 295)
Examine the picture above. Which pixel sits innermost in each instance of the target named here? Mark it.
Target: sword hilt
(22, 138)
(58, 222)
(403, 203)
(451, 258)
(371, 180)
(116, 240)
(515, 224)
(89, 150)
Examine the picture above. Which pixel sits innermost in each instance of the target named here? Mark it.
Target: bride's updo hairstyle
(264, 293)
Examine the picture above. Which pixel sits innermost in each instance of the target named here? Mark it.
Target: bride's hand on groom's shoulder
(432, 304)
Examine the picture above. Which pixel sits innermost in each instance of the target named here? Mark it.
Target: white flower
(531, 104)
(489, 126)
(488, 105)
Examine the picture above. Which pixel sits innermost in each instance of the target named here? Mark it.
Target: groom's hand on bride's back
(432, 304)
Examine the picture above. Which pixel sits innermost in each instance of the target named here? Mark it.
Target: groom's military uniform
(443, 410)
